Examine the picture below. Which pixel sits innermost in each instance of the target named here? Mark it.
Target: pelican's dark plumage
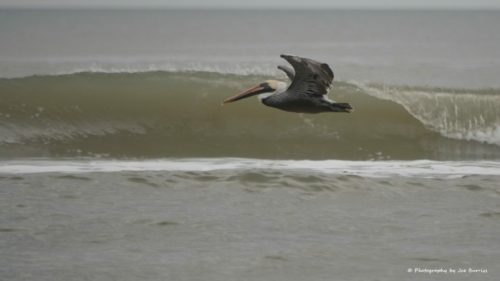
(311, 82)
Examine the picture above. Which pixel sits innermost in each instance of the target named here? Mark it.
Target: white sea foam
(18, 69)
(459, 114)
(376, 169)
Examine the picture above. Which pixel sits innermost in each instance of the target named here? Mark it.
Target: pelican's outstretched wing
(311, 77)
(288, 70)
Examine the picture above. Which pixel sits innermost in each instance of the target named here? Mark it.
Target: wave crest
(462, 114)
(68, 67)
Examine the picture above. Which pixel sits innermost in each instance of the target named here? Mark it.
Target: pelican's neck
(280, 88)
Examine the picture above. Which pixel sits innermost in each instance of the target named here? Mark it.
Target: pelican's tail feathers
(342, 107)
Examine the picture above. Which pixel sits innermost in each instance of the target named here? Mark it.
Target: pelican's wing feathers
(288, 71)
(311, 77)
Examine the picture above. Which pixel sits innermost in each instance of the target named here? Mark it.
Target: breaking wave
(462, 114)
(158, 114)
(381, 169)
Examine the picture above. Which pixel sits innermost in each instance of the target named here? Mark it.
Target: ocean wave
(420, 168)
(158, 114)
(243, 70)
(464, 114)
(60, 68)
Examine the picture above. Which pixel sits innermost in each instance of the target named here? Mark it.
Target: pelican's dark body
(302, 103)
(311, 82)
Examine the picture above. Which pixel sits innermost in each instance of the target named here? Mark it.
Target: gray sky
(259, 4)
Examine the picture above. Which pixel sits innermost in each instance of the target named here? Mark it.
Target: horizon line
(254, 8)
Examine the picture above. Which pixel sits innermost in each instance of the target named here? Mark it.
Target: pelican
(311, 82)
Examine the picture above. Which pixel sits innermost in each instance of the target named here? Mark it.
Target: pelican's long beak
(259, 89)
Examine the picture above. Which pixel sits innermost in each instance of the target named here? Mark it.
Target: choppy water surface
(246, 224)
(118, 162)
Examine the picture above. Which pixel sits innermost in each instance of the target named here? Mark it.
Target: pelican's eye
(266, 87)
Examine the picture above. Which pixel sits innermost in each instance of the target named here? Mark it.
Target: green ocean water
(165, 114)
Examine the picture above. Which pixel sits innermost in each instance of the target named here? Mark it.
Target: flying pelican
(311, 82)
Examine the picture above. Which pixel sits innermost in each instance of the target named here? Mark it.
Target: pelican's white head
(263, 90)
(277, 86)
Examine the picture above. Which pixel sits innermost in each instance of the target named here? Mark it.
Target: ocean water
(117, 160)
